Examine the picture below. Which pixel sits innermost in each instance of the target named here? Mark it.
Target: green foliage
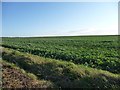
(94, 51)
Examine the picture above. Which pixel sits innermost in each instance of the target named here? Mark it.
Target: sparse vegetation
(15, 77)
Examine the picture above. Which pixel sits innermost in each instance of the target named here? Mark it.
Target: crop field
(68, 57)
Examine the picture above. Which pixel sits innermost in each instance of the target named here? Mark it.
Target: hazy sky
(60, 18)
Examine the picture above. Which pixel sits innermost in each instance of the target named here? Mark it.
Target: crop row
(102, 54)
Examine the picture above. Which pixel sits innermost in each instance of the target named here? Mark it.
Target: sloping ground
(14, 77)
(63, 74)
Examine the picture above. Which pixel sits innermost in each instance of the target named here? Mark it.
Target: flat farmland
(96, 52)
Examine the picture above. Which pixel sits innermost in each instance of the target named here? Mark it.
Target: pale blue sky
(63, 18)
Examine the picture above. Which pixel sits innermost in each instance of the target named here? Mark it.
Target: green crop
(100, 52)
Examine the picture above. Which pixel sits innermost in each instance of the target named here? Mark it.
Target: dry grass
(14, 77)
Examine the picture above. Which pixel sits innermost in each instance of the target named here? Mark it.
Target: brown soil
(14, 78)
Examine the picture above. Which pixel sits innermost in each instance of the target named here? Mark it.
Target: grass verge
(15, 77)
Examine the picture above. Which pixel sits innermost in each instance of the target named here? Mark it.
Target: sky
(59, 0)
(59, 18)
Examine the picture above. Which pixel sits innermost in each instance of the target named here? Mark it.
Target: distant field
(99, 52)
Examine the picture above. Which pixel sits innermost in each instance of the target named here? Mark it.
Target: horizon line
(55, 36)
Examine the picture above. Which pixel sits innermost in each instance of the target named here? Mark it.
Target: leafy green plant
(94, 51)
